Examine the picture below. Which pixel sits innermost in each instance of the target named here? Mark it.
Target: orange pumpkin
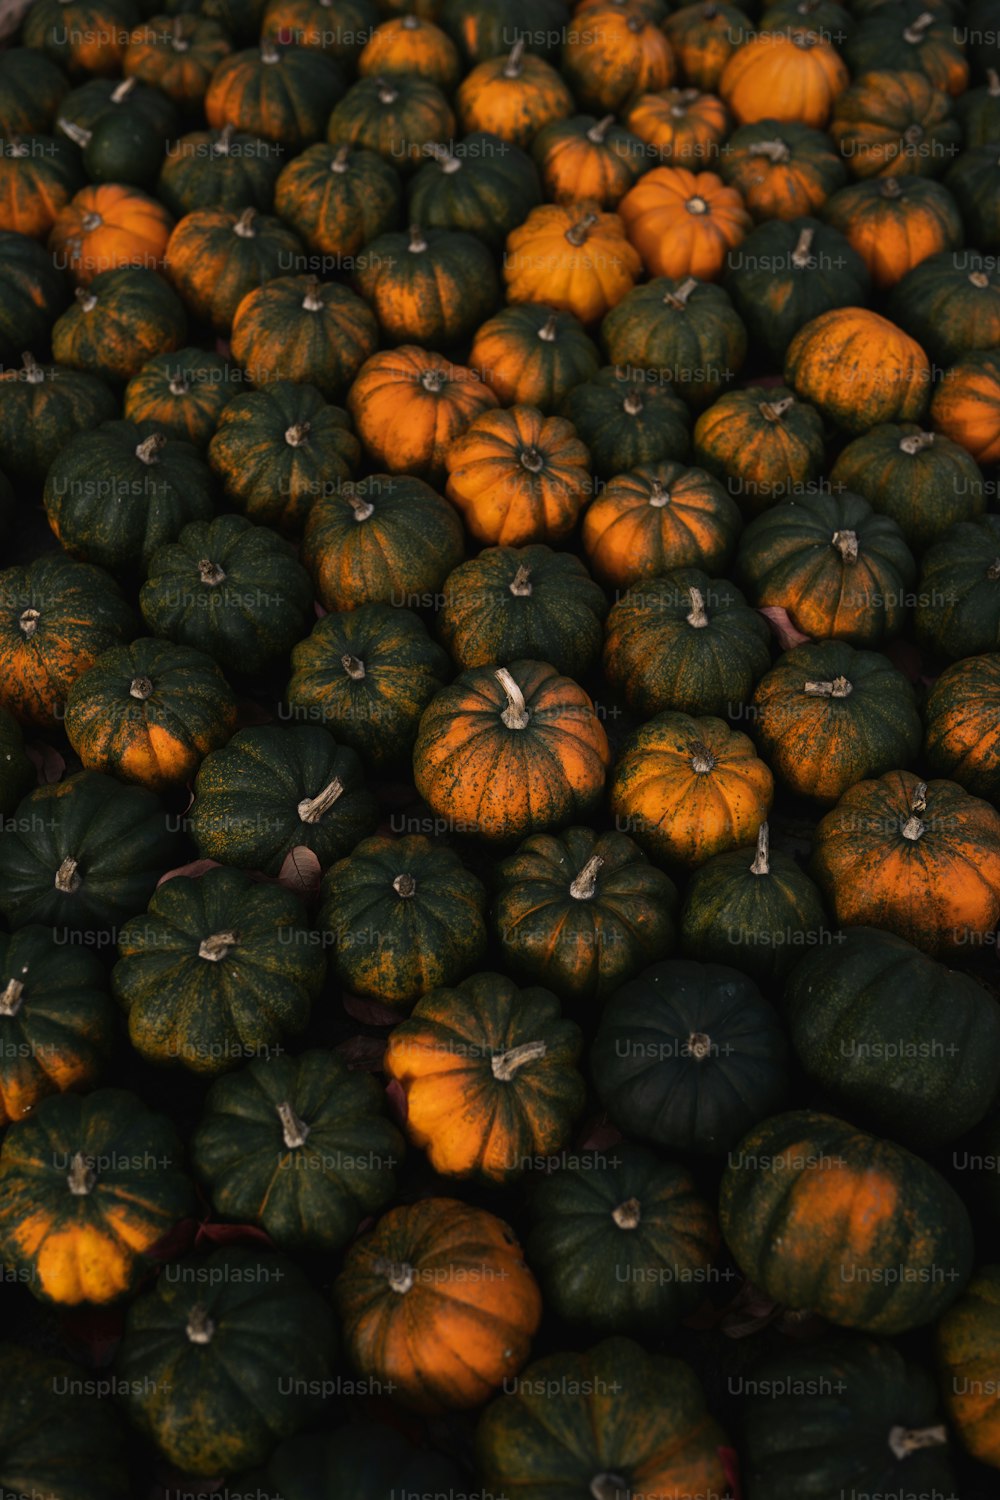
(106, 227)
(512, 97)
(518, 476)
(530, 355)
(783, 170)
(409, 44)
(216, 256)
(177, 55)
(659, 517)
(684, 126)
(784, 75)
(966, 405)
(704, 37)
(684, 223)
(614, 56)
(409, 406)
(573, 257)
(584, 157)
(858, 369)
(894, 223)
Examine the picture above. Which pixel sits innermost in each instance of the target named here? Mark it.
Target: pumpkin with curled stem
(482, 185)
(512, 96)
(42, 407)
(533, 355)
(572, 257)
(338, 197)
(656, 518)
(120, 321)
(586, 157)
(296, 328)
(428, 286)
(681, 332)
(396, 117)
(629, 421)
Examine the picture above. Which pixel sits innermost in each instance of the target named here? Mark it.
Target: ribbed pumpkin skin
(31, 88)
(794, 1421)
(683, 125)
(406, 917)
(514, 99)
(117, 837)
(581, 912)
(184, 393)
(441, 1349)
(310, 24)
(57, 617)
(671, 1445)
(213, 1407)
(632, 57)
(895, 223)
(368, 674)
(827, 716)
(896, 1040)
(395, 117)
(409, 44)
(39, 175)
(531, 355)
(629, 421)
(958, 607)
(87, 36)
(584, 157)
(890, 124)
(510, 603)
(99, 98)
(42, 407)
(32, 295)
(86, 1240)
(219, 169)
(428, 286)
(923, 480)
(978, 109)
(338, 198)
(301, 330)
(108, 226)
(253, 984)
(689, 336)
(490, 1078)
(973, 181)
(810, 1208)
(87, 1461)
(279, 94)
(966, 404)
(966, 1344)
(689, 1056)
(762, 444)
(921, 859)
(889, 39)
(962, 740)
(622, 1245)
(363, 1461)
(279, 449)
(783, 169)
(486, 187)
(17, 773)
(57, 1022)
(177, 54)
(216, 256)
(270, 790)
(792, 74)
(310, 1188)
(858, 369)
(123, 319)
(950, 304)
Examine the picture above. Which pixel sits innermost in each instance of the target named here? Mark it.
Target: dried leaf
(301, 872)
(196, 868)
(363, 1054)
(46, 760)
(395, 1096)
(370, 1012)
(787, 633)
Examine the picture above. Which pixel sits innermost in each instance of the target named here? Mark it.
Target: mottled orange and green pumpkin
(184, 393)
(281, 94)
(532, 355)
(682, 333)
(571, 256)
(782, 169)
(762, 444)
(587, 157)
(891, 124)
(341, 29)
(967, 1338)
(481, 184)
(684, 126)
(409, 404)
(512, 96)
(704, 37)
(895, 223)
(215, 256)
(83, 36)
(397, 117)
(338, 197)
(177, 54)
(411, 46)
(923, 480)
(950, 304)
(966, 405)
(615, 57)
(39, 175)
(300, 329)
(858, 369)
(120, 321)
(659, 517)
(962, 716)
(428, 286)
(41, 408)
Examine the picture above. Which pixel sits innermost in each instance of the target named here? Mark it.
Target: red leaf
(193, 870)
(370, 1012)
(780, 621)
(598, 1134)
(363, 1054)
(249, 714)
(321, 613)
(731, 1463)
(97, 1330)
(46, 760)
(210, 1235)
(905, 656)
(175, 1243)
(395, 1096)
(300, 872)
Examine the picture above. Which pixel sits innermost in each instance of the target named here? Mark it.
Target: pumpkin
(978, 110)
(689, 1056)
(279, 449)
(958, 601)
(338, 198)
(124, 100)
(17, 772)
(684, 223)
(271, 790)
(621, 1246)
(615, 57)
(571, 257)
(114, 495)
(219, 169)
(686, 788)
(232, 589)
(395, 117)
(827, 716)
(106, 227)
(899, 1041)
(298, 329)
(32, 295)
(367, 674)
(363, 1461)
(827, 17)
(629, 421)
(809, 1209)
(681, 125)
(582, 912)
(558, 1419)
(522, 602)
(782, 169)
(966, 402)
(966, 1344)
(405, 917)
(298, 1146)
(89, 1186)
(683, 332)
(31, 89)
(215, 256)
(242, 19)
(792, 75)
(383, 540)
(216, 972)
(183, 394)
(921, 859)
(512, 96)
(483, 28)
(531, 355)
(858, 369)
(961, 739)
(923, 480)
(950, 304)
(428, 286)
(437, 1303)
(206, 1353)
(927, 43)
(586, 157)
(893, 124)
(482, 185)
(518, 476)
(762, 444)
(43, 408)
(278, 94)
(411, 46)
(839, 569)
(895, 223)
(704, 37)
(685, 641)
(341, 29)
(177, 54)
(408, 405)
(38, 176)
(83, 36)
(120, 321)
(42, 1396)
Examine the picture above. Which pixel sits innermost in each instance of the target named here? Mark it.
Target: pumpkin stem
(222, 145)
(697, 205)
(598, 131)
(846, 543)
(68, 878)
(210, 572)
(90, 222)
(578, 232)
(547, 332)
(244, 225)
(398, 1274)
(141, 688)
(505, 1064)
(802, 254)
(28, 621)
(87, 300)
(838, 688)
(699, 1045)
(628, 1214)
(585, 884)
(890, 188)
(659, 495)
(296, 436)
(312, 301)
(776, 152)
(914, 826)
(512, 67)
(434, 380)
(148, 450)
(992, 82)
(200, 1327)
(81, 1179)
(387, 94)
(702, 759)
(609, 1487)
(353, 666)
(417, 244)
(979, 280)
(75, 133)
(10, 997)
(993, 571)
(520, 584)
(405, 886)
(699, 615)
(762, 861)
(916, 442)
(632, 405)
(773, 411)
(179, 385)
(294, 1130)
(445, 158)
(915, 32)
(515, 715)
(362, 508)
(178, 40)
(269, 52)
(906, 1440)
(341, 159)
(33, 372)
(217, 946)
(532, 460)
(121, 93)
(678, 299)
(311, 809)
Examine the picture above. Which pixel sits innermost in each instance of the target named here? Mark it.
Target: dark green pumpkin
(125, 149)
(833, 22)
(224, 1356)
(310, 23)
(31, 88)
(368, 674)
(979, 111)
(115, 98)
(763, 443)
(974, 182)
(899, 41)
(219, 169)
(629, 420)
(56, 1439)
(17, 774)
(958, 597)
(338, 199)
(531, 355)
(398, 117)
(431, 287)
(363, 1461)
(961, 718)
(687, 642)
(43, 408)
(484, 28)
(217, 971)
(296, 328)
(782, 168)
(32, 295)
(923, 480)
(511, 603)
(242, 19)
(117, 323)
(950, 304)
(684, 333)
(481, 184)
(273, 790)
(689, 1056)
(184, 393)
(280, 93)
(85, 854)
(620, 1241)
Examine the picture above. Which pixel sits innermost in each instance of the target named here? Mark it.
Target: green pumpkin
(217, 971)
(979, 111)
(546, 349)
(273, 790)
(897, 41)
(242, 19)
(974, 182)
(31, 87)
(800, 1404)
(958, 597)
(685, 333)
(832, 22)
(33, 292)
(217, 256)
(482, 29)
(620, 1241)
(923, 480)
(118, 322)
(629, 420)
(686, 642)
(950, 304)
(56, 1440)
(404, 916)
(510, 603)
(84, 854)
(227, 1354)
(126, 148)
(961, 710)
(184, 393)
(398, 117)
(364, 1461)
(338, 199)
(43, 408)
(689, 1056)
(581, 912)
(432, 287)
(17, 773)
(281, 93)
(296, 328)
(763, 444)
(787, 272)
(815, 166)
(810, 1209)
(225, 168)
(481, 184)
(115, 99)
(895, 1039)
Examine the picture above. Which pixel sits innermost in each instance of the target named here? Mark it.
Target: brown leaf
(788, 634)
(193, 870)
(46, 760)
(363, 1054)
(370, 1012)
(395, 1096)
(300, 872)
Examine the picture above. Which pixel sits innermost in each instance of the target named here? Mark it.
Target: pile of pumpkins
(500, 749)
